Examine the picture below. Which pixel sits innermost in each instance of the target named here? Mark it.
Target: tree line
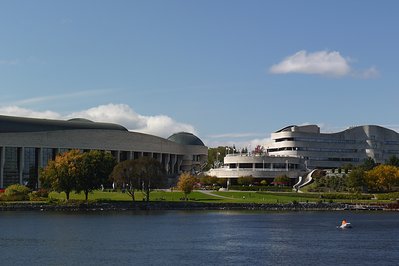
(87, 171)
(367, 177)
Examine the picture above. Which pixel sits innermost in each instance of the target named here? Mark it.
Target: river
(198, 238)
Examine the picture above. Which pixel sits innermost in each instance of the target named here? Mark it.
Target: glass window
(29, 173)
(11, 165)
(47, 155)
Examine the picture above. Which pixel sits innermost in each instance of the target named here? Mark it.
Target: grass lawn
(154, 196)
(227, 197)
(230, 197)
(265, 197)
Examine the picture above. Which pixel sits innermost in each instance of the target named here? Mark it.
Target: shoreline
(187, 206)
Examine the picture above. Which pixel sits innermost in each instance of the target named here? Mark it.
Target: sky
(229, 71)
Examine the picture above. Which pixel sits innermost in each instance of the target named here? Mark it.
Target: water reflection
(198, 237)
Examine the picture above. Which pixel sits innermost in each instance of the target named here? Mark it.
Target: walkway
(209, 193)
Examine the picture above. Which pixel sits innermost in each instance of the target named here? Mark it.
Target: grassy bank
(226, 197)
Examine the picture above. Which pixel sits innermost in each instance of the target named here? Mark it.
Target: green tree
(356, 180)
(61, 174)
(347, 167)
(393, 160)
(216, 155)
(245, 180)
(222, 182)
(124, 175)
(186, 183)
(150, 172)
(208, 180)
(144, 173)
(281, 180)
(95, 167)
(368, 164)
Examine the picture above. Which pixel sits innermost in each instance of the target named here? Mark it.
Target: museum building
(333, 150)
(27, 144)
(295, 151)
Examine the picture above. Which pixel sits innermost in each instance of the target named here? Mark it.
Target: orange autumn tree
(186, 183)
(61, 174)
(382, 177)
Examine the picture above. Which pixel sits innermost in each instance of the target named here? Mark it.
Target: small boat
(344, 225)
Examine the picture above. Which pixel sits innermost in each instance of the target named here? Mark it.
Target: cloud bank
(159, 125)
(327, 63)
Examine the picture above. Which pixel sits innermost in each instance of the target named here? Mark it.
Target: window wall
(11, 166)
(30, 171)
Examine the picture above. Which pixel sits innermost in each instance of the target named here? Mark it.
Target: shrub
(388, 196)
(346, 196)
(281, 180)
(245, 180)
(39, 195)
(260, 188)
(16, 192)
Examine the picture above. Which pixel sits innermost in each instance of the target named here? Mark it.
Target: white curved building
(27, 144)
(259, 167)
(332, 150)
(295, 150)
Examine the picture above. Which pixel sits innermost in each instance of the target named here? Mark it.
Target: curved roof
(186, 139)
(80, 120)
(9, 124)
(285, 128)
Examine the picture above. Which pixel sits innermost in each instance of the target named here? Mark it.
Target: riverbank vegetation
(368, 177)
(74, 172)
(213, 197)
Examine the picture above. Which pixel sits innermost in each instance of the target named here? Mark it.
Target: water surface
(199, 238)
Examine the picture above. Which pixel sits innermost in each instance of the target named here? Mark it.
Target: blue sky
(230, 71)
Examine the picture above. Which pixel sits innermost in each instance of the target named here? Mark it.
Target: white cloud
(239, 140)
(369, 73)
(235, 135)
(159, 125)
(321, 62)
(11, 62)
(49, 98)
(19, 111)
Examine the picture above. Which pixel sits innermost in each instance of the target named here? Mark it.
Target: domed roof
(80, 120)
(186, 138)
(9, 124)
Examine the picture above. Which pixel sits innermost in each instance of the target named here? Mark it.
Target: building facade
(296, 150)
(259, 166)
(27, 144)
(333, 150)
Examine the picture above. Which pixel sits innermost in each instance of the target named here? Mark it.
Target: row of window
(263, 166)
(347, 141)
(312, 149)
(338, 141)
(31, 156)
(332, 159)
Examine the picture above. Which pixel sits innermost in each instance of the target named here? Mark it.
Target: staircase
(303, 181)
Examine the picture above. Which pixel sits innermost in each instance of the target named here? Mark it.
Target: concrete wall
(123, 145)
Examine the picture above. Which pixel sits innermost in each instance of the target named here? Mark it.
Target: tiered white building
(296, 150)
